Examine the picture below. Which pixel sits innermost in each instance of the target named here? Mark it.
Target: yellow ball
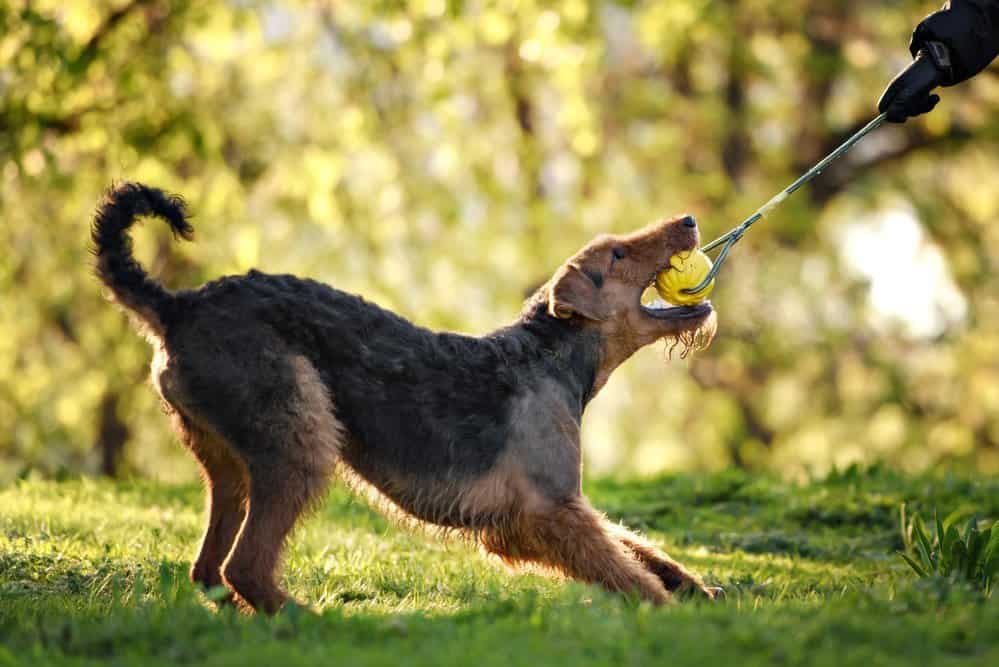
(686, 269)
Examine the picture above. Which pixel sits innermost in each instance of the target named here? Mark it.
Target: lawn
(94, 572)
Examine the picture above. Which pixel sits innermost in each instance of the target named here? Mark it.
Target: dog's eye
(618, 253)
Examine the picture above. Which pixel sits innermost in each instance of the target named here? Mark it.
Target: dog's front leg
(674, 576)
(572, 538)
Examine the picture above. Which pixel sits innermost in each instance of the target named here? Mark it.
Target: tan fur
(284, 493)
(572, 539)
(227, 488)
(612, 308)
(502, 493)
(319, 432)
(674, 575)
(158, 369)
(251, 513)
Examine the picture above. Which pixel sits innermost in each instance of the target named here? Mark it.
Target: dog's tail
(130, 285)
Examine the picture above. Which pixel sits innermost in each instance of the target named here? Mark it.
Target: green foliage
(441, 157)
(95, 573)
(971, 555)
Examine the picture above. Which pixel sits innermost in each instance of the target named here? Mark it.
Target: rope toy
(732, 237)
(686, 269)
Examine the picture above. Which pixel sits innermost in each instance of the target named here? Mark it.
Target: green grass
(95, 573)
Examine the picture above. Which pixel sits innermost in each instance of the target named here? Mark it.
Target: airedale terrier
(275, 382)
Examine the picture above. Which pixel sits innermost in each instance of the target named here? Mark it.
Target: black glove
(969, 29)
(908, 94)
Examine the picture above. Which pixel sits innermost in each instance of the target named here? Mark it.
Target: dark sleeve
(969, 29)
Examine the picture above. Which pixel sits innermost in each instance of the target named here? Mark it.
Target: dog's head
(601, 288)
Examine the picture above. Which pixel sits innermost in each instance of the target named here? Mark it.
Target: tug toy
(699, 292)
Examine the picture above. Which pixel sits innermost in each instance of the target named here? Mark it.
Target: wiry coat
(274, 381)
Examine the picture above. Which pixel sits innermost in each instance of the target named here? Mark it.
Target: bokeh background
(442, 157)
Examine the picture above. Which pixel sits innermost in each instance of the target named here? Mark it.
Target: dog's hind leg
(674, 576)
(223, 470)
(277, 499)
(289, 466)
(276, 427)
(572, 538)
(226, 484)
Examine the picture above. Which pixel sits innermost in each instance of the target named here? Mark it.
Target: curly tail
(130, 285)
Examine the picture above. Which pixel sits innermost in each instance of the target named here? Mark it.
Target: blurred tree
(440, 156)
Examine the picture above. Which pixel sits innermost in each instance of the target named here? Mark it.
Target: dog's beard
(694, 340)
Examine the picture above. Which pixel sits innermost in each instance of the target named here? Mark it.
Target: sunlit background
(442, 157)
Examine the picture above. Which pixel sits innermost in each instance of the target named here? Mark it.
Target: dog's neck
(565, 352)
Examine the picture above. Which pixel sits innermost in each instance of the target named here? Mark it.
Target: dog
(275, 383)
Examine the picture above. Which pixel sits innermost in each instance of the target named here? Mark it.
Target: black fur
(413, 400)
(116, 267)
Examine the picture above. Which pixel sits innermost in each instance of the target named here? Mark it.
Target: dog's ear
(573, 292)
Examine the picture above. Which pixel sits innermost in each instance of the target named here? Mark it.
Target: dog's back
(410, 401)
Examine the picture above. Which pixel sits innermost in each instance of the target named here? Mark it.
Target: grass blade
(923, 546)
(916, 567)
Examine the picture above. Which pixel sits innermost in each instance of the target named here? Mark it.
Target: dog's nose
(689, 221)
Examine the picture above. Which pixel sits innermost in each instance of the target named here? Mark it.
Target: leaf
(905, 528)
(952, 550)
(916, 567)
(975, 541)
(955, 516)
(990, 559)
(923, 546)
(957, 557)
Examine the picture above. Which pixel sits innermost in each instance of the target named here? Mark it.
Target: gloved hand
(968, 29)
(949, 46)
(908, 94)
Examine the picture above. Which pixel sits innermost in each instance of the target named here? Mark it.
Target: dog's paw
(715, 592)
(696, 591)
